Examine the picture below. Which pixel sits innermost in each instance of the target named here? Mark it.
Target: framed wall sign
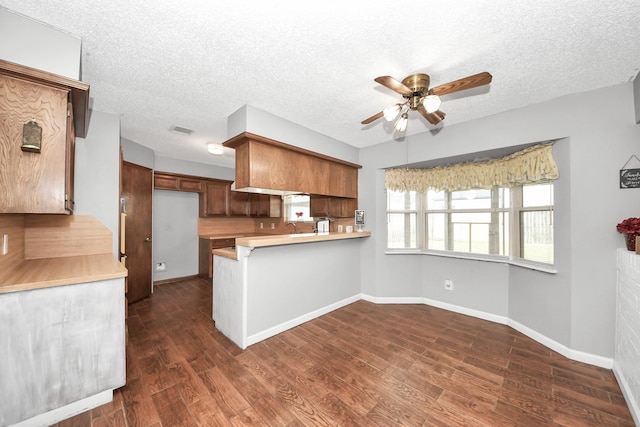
(630, 178)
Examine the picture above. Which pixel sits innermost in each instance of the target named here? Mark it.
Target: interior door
(137, 192)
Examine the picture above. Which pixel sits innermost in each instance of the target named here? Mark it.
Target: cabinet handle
(148, 239)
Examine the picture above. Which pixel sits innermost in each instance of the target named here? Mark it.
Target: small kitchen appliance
(322, 226)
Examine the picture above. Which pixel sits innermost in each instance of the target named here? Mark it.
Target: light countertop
(48, 272)
(231, 235)
(286, 239)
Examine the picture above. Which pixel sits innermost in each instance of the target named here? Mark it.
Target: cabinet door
(239, 203)
(275, 207)
(205, 258)
(265, 205)
(333, 207)
(258, 205)
(190, 184)
(33, 182)
(319, 206)
(340, 207)
(163, 181)
(215, 200)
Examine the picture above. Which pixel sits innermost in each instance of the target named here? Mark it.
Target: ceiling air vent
(180, 129)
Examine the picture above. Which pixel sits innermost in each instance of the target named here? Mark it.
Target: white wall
(97, 156)
(137, 154)
(28, 42)
(97, 172)
(175, 233)
(259, 122)
(636, 96)
(574, 307)
(175, 219)
(167, 164)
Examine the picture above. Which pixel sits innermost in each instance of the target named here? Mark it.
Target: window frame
(514, 210)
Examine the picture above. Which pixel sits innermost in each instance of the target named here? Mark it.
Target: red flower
(629, 226)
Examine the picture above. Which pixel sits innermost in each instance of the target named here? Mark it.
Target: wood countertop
(286, 239)
(291, 239)
(48, 272)
(231, 235)
(226, 252)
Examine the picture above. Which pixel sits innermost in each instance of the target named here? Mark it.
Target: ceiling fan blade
(372, 118)
(433, 118)
(462, 84)
(394, 85)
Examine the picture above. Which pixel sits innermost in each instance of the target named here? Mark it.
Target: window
(294, 205)
(503, 222)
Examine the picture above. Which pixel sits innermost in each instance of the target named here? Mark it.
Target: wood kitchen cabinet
(205, 257)
(214, 201)
(332, 207)
(39, 181)
(239, 204)
(255, 205)
(266, 163)
(177, 182)
(265, 205)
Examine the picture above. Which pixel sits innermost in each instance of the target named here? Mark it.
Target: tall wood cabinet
(32, 181)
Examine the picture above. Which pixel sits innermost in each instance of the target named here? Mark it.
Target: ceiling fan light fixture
(401, 124)
(391, 112)
(215, 149)
(431, 103)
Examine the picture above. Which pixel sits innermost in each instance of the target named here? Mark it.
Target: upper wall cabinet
(268, 164)
(214, 201)
(40, 115)
(177, 182)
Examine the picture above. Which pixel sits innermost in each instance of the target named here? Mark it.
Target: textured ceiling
(193, 63)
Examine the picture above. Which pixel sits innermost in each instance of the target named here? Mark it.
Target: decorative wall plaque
(31, 136)
(630, 178)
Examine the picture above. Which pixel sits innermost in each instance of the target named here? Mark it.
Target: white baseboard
(580, 356)
(577, 355)
(267, 333)
(67, 411)
(628, 395)
(591, 359)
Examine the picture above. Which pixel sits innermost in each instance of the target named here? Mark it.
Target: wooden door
(137, 192)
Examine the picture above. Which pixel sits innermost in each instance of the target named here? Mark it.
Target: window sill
(518, 262)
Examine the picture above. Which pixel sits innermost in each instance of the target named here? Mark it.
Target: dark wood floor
(362, 365)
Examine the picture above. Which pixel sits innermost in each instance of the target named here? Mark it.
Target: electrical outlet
(161, 266)
(273, 226)
(261, 225)
(448, 284)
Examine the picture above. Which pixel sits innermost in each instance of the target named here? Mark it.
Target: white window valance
(529, 166)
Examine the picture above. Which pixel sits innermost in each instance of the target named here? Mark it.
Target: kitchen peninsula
(269, 284)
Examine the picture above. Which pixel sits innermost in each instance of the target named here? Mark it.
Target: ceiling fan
(418, 96)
